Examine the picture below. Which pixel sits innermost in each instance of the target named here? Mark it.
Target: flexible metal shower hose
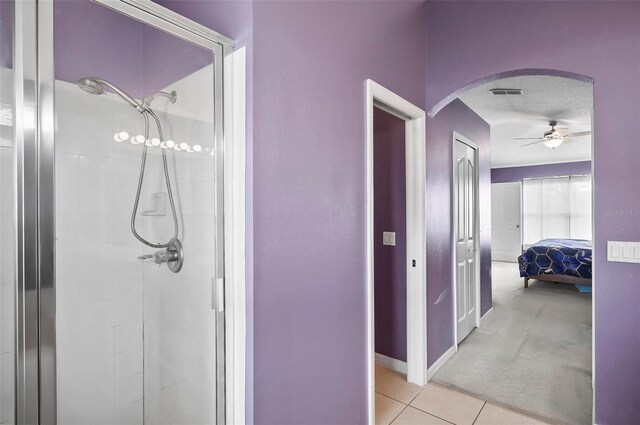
(141, 179)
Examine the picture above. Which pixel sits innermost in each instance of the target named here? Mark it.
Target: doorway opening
(381, 101)
(534, 335)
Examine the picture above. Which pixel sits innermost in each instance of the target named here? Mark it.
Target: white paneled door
(465, 212)
(506, 221)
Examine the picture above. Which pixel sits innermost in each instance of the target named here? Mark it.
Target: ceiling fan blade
(578, 134)
(528, 138)
(567, 140)
(533, 143)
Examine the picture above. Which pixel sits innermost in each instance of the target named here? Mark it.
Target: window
(557, 207)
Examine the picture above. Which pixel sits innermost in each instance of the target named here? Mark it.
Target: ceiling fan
(554, 137)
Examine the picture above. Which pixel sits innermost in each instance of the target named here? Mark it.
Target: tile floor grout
(396, 417)
(423, 411)
(394, 399)
(480, 411)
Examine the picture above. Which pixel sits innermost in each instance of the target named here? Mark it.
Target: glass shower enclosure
(111, 215)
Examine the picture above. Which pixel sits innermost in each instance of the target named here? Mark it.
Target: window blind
(556, 207)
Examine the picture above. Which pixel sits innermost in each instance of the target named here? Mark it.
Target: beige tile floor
(401, 403)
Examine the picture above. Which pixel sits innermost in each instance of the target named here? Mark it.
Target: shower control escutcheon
(173, 256)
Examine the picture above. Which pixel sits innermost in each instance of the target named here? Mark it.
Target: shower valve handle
(173, 256)
(165, 256)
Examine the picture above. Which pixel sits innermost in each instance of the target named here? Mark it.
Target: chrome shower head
(96, 86)
(91, 86)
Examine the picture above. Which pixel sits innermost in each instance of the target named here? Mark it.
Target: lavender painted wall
(311, 60)
(603, 44)
(390, 215)
(440, 303)
(514, 174)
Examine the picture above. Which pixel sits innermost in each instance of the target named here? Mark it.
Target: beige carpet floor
(533, 354)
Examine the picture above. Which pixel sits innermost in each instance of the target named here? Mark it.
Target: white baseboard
(393, 364)
(486, 316)
(440, 362)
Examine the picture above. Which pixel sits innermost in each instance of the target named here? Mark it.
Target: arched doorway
(439, 110)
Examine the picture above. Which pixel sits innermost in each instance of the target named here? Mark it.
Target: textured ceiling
(544, 98)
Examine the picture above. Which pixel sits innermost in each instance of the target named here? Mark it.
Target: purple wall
(602, 42)
(390, 215)
(311, 61)
(440, 303)
(515, 174)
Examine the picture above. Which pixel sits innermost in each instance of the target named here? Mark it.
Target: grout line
(480, 411)
(416, 396)
(428, 413)
(434, 415)
(396, 416)
(388, 396)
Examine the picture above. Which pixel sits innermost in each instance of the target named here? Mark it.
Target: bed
(557, 260)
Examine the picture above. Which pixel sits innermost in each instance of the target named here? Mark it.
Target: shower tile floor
(401, 403)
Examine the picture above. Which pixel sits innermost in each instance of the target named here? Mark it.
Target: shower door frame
(34, 84)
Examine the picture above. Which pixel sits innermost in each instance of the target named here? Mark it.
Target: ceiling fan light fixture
(552, 143)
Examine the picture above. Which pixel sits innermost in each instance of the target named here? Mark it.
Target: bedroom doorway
(465, 225)
(535, 341)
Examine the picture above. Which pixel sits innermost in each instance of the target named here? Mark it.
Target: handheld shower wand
(172, 254)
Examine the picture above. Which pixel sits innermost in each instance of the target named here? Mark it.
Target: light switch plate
(389, 238)
(623, 252)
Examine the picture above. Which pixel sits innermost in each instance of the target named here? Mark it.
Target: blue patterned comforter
(570, 257)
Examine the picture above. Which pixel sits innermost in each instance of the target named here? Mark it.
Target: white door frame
(457, 137)
(415, 154)
(235, 240)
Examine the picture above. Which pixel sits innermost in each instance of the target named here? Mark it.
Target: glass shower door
(111, 210)
(137, 223)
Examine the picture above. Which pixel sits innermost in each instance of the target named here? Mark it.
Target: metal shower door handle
(217, 294)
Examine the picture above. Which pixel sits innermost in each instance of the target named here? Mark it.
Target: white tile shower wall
(107, 299)
(99, 279)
